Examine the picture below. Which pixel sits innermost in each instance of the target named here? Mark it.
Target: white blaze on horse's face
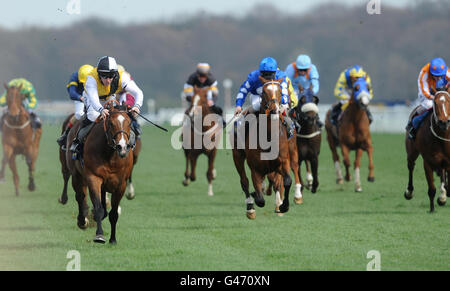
(274, 89)
(122, 142)
(442, 99)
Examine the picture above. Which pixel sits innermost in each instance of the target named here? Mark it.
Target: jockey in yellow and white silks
(30, 102)
(344, 87)
(102, 84)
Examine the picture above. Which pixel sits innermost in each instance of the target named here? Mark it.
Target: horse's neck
(354, 112)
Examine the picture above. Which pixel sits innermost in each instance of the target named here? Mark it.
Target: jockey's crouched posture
(433, 76)
(104, 83)
(268, 69)
(30, 102)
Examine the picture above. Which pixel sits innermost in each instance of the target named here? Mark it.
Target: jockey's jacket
(344, 85)
(75, 87)
(254, 86)
(27, 90)
(95, 91)
(293, 98)
(210, 83)
(426, 83)
(310, 80)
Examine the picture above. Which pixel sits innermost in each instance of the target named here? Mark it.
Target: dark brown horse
(264, 159)
(201, 135)
(107, 167)
(352, 133)
(129, 193)
(432, 142)
(309, 139)
(19, 138)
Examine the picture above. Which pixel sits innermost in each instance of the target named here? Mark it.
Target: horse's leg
(30, 164)
(210, 172)
(446, 183)
(337, 164)
(114, 213)
(193, 159)
(257, 184)
(7, 153)
(371, 177)
(187, 175)
(294, 164)
(309, 175)
(81, 198)
(412, 155)
(345, 155)
(95, 185)
(357, 167)
(314, 169)
(239, 159)
(443, 197)
(430, 182)
(66, 175)
(103, 202)
(287, 182)
(13, 167)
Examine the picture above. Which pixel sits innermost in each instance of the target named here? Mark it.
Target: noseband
(111, 138)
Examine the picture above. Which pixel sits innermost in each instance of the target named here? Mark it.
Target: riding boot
(369, 115)
(84, 129)
(35, 121)
(335, 112)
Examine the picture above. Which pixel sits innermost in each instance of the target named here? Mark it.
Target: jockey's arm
(284, 95)
(131, 87)
(293, 98)
(369, 82)
(340, 89)
(422, 84)
(32, 100)
(314, 77)
(3, 99)
(72, 88)
(214, 91)
(92, 94)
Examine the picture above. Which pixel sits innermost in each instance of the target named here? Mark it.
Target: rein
(110, 138)
(435, 117)
(17, 126)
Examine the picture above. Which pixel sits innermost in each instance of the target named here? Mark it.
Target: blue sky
(55, 13)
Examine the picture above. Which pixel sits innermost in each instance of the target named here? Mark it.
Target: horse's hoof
(86, 224)
(440, 202)
(408, 195)
(31, 187)
(112, 241)
(214, 173)
(358, 189)
(186, 182)
(130, 193)
(62, 201)
(298, 200)
(340, 181)
(279, 214)
(251, 214)
(371, 179)
(284, 208)
(99, 239)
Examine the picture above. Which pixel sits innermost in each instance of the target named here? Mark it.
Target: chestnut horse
(201, 134)
(130, 194)
(432, 142)
(352, 133)
(18, 138)
(259, 166)
(107, 167)
(309, 139)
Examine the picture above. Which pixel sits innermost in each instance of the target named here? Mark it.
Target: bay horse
(432, 142)
(19, 138)
(201, 134)
(106, 168)
(259, 167)
(352, 133)
(309, 139)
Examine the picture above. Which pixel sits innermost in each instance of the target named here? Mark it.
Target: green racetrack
(172, 227)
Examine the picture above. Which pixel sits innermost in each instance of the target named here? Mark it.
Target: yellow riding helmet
(357, 71)
(83, 72)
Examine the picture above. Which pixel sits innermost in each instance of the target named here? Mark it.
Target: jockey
(434, 75)
(75, 88)
(344, 87)
(102, 84)
(30, 101)
(305, 78)
(268, 69)
(202, 78)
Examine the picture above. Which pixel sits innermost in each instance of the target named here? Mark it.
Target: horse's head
(361, 92)
(14, 100)
(117, 128)
(441, 109)
(199, 100)
(308, 112)
(271, 97)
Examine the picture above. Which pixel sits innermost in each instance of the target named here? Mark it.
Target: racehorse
(259, 167)
(432, 142)
(106, 168)
(19, 137)
(309, 139)
(200, 136)
(352, 133)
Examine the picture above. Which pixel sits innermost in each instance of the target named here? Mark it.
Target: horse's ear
(316, 99)
(4, 85)
(262, 80)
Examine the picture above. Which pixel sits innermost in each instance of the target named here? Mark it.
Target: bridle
(15, 117)
(274, 98)
(436, 119)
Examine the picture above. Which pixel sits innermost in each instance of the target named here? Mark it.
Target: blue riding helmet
(303, 62)
(268, 64)
(438, 67)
